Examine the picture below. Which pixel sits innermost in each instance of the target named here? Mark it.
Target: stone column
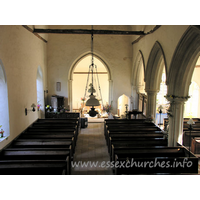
(70, 94)
(135, 97)
(151, 104)
(176, 110)
(110, 92)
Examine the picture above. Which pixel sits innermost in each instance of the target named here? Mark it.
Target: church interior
(142, 78)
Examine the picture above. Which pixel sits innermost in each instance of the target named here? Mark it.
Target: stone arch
(153, 77)
(154, 71)
(137, 68)
(183, 62)
(138, 73)
(70, 77)
(122, 100)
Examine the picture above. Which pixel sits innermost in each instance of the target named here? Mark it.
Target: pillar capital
(152, 92)
(176, 99)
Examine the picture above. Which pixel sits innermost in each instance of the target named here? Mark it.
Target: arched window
(123, 102)
(80, 75)
(40, 93)
(161, 101)
(191, 106)
(4, 111)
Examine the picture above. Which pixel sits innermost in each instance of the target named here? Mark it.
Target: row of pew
(44, 148)
(141, 147)
(192, 138)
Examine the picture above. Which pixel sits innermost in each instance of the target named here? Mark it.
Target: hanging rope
(87, 82)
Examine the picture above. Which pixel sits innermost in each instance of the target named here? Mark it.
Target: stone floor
(91, 149)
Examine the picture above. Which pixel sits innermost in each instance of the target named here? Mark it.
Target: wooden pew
(60, 120)
(137, 133)
(52, 134)
(196, 125)
(43, 130)
(54, 125)
(186, 136)
(163, 160)
(152, 142)
(135, 137)
(130, 130)
(42, 154)
(35, 167)
(72, 122)
(45, 146)
(41, 143)
(195, 145)
(55, 121)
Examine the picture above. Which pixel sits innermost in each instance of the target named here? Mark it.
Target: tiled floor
(91, 149)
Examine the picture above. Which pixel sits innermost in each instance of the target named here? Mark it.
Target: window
(4, 111)
(40, 92)
(191, 106)
(161, 100)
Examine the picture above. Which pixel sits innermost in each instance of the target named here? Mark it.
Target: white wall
(21, 53)
(167, 35)
(64, 50)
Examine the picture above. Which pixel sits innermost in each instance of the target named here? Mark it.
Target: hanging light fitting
(92, 101)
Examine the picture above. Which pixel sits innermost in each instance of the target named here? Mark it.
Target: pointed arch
(183, 62)
(138, 67)
(122, 101)
(71, 71)
(153, 72)
(70, 77)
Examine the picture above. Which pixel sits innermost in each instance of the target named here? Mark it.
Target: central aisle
(91, 148)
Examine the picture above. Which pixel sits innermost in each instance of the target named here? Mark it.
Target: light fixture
(92, 101)
(33, 108)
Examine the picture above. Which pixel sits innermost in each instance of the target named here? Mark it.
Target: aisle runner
(91, 148)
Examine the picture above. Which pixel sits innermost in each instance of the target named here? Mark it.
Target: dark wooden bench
(131, 121)
(55, 125)
(161, 160)
(135, 143)
(130, 130)
(52, 130)
(194, 129)
(196, 125)
(186, 137)
(55, 121)
(49, 134)
(70, 120)
(42, 154)
(40, 143)
(35, 167)
(195, 145)
(136, 133)
(133, 137)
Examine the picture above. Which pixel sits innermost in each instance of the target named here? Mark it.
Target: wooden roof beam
(86, 31)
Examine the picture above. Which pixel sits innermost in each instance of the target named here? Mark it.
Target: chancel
(136, 105)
